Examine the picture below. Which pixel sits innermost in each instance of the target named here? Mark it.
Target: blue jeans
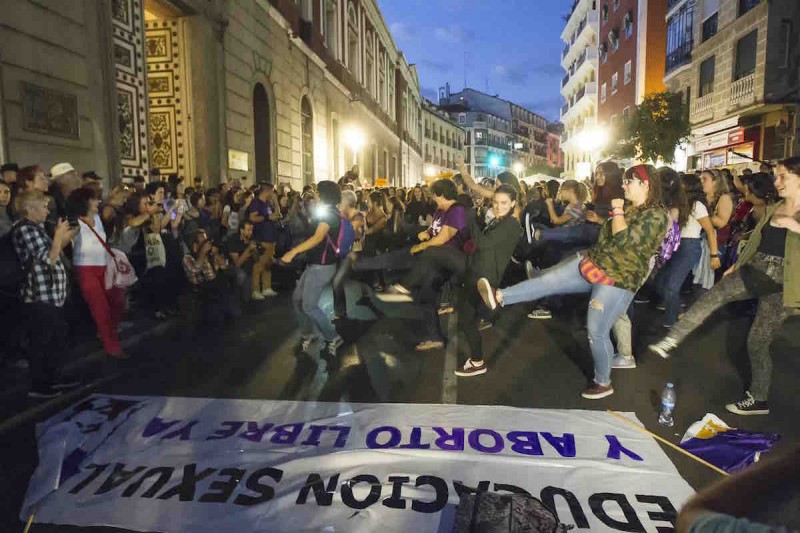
(305, 301)
(583, 234)
(606, 305)
(670, 279)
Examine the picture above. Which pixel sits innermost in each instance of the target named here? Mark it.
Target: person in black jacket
(494, 245)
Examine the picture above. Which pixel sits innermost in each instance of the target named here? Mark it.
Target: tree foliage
(655, 128)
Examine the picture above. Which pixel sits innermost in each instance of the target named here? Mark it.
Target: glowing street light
(354, 138)
(494, 161)
(593, 139)
(430, 171)
(518, 168)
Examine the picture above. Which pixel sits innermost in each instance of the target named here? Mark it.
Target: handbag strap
(105, 245)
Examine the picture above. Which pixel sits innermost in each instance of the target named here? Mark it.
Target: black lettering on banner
(548, 496)
(669, 513)
(232, 427)
(315, 434)
(632, 522)
(451, 442)
(483, 486)
(440, 486)
(118, 477)
(615, 449)
(475, 441)
(186, 487)
(164, 474)
(565, 446)
(525, 442)
(396, 501)
(225, 488)
(158, 425)
(415, 440)
(322, 494)
(96, 471)
(255, 433)
(266, 492)
(513, 489)
(341, 438)
(394, 437)
(374, 492)
(286, 433)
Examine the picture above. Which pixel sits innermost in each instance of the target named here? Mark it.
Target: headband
(641, 172)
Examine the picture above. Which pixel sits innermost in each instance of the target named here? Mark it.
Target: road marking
(449, 380)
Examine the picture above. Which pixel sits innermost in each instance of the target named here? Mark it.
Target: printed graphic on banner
(210, 465)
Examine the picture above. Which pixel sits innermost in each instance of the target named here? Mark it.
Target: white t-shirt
(692, 228)
(233, 218)
(87, 250)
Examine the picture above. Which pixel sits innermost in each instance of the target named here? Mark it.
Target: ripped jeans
(606, 305)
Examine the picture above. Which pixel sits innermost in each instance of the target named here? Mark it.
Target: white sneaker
(470, 369)
(257, 296)
(530, 270)
(268, 292)
(540, 314)
(664, 347)
(621, 361)
(487, 293)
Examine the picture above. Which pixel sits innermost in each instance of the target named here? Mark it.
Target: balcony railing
(703, 107)
(743, 90)
(679, 57)
(673, 3)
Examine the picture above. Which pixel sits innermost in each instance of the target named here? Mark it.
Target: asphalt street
(533, 363)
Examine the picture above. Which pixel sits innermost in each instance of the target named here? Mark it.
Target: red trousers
(107, 306)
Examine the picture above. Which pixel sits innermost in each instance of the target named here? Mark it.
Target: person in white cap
(64, 180)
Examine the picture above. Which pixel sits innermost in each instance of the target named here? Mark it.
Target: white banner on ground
(213, 465)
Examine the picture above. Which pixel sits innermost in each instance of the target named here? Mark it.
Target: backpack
(12, 272)
(344, 241)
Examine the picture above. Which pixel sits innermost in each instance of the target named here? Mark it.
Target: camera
(260, 248)
(73, 222)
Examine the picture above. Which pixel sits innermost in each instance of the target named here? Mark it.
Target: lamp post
(494, 162)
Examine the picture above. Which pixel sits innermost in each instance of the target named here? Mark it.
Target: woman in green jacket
(612, 270)
(768, 270)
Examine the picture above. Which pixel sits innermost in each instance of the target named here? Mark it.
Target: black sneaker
(44, 393)
(748, 406)
(641, 299)
(470, 369)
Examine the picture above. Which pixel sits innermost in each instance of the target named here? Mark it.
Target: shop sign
(237, 160)
(714, 159)
(745, 149)
(718, 140)
(736, 136)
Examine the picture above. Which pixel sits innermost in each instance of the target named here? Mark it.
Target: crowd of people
(625, 236)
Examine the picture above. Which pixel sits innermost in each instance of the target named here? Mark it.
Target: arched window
(352, 42)
(307, 127)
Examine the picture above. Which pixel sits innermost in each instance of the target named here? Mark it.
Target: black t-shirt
(235, 245)
(330, 216)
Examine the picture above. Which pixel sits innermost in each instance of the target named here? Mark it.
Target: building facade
(500, 135)
(287, 90)
(555, 157)
(737, 65)
(579, 86)
(442, 141)
(632, 55)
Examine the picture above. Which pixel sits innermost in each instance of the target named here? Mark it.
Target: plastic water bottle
(668, 398)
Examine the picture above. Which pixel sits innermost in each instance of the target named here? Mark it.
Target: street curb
(92, 357)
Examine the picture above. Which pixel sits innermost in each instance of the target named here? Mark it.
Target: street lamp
(518, 168)
(494, 162)
(430, 171)
(593, 140)
(354, 138)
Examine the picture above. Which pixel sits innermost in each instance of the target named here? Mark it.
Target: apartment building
(442, 141)
(500, 135)
(632, 55)
(736, 64)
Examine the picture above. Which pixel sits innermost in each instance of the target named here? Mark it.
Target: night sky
(514, 45)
